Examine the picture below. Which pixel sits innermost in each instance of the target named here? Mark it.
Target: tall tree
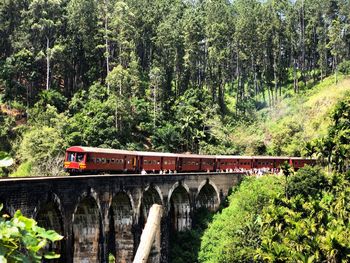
(44, 20)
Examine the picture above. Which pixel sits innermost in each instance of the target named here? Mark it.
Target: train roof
(272, 157)
(97, 150)
(233, 157)
(181, 155)
(140, 153)
(114, 151)
(303, 158)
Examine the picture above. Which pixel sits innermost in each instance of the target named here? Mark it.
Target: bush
(23, 241)
(23, 170)
(233, 235)
(53, 98)
(308, 181)
(344, 67)
(308, 229)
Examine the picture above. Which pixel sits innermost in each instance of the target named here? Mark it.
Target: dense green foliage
(333, 149)
(307, 181)
(262, 225)
(309, 222)
(234, 234)
(21, 240)
(308, 228)
(163, 75)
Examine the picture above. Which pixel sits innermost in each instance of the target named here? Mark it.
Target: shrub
(23, 241)
(307, 181)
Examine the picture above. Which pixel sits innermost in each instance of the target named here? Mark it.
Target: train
(92, 160)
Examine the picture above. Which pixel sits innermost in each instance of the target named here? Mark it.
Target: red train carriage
(155, 162)
(98, 160)
(195, 163)
(234, 163)
(269, 162)
(88, 159)
(279, 161)
(298, 162)
(188, 163)
(207, 164)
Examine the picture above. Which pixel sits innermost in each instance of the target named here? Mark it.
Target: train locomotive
(91, 160)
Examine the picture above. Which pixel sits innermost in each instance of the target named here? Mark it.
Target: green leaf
(51, 255)
(51, 235)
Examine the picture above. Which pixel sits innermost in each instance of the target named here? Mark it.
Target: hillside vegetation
(261, 224)
(298, 217)
(306, 215)
(294, 121)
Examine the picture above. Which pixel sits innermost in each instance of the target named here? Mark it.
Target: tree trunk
(47, 63)
(107, 43)
(154, 105)
(238, 72)
(275, 77)
(295, 77)
(149, 233)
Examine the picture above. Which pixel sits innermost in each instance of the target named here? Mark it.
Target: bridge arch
(151, 195)
(49, 214)
(87, 227)
(208, 196)
(179, 207)
(121, 219)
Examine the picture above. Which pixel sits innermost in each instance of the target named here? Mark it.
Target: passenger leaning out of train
(80, 157)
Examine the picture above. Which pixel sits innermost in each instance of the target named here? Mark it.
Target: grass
(23, 170)
(293, 121)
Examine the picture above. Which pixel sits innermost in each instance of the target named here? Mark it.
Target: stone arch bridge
(100, 215)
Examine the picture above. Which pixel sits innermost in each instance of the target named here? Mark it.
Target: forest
(177, 76)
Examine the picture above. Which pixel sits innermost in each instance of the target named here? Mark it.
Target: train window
(165, 162)
(80, 157)
(98, 160)
(103, 160)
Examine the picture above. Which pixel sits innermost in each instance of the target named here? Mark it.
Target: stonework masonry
(100, 215)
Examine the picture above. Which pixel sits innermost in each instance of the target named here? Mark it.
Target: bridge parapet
(105, 214)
